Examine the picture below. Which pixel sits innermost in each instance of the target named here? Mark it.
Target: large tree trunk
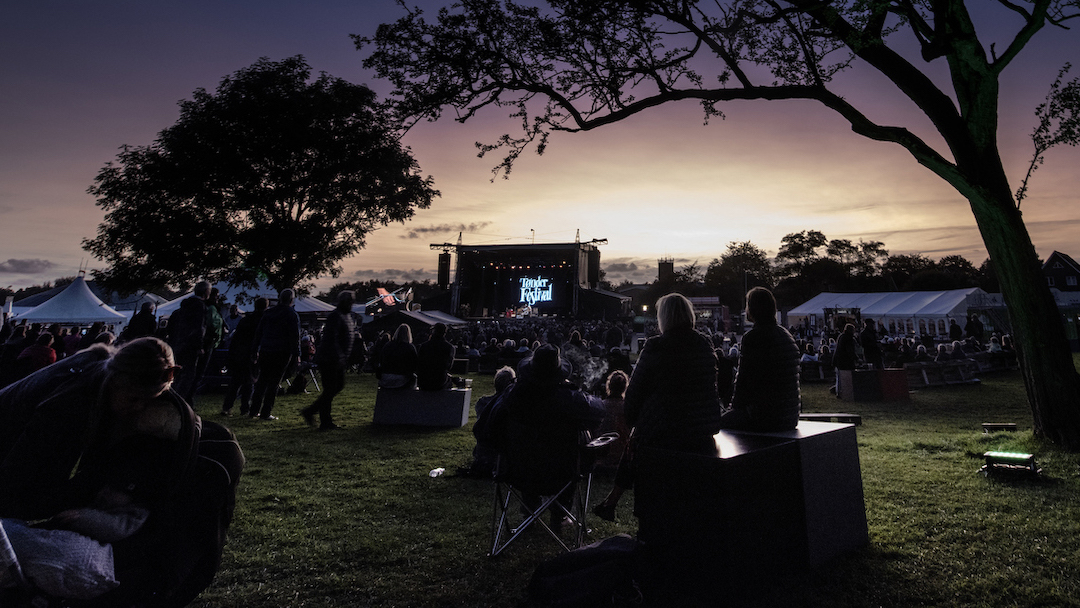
(1053, 386)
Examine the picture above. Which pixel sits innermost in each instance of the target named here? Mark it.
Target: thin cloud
(395, 274)
(415, 233)
(27, 266)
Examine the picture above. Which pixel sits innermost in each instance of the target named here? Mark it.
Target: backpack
(600, 574)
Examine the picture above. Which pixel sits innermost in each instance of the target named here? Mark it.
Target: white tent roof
(76, 305)
(303, 304)
(952, 303)
(309, 304)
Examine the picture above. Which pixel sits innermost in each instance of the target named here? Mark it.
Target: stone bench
(753, 507)
(448, 408)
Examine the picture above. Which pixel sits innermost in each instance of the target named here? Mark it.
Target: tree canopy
(577, 65)
(275, 175)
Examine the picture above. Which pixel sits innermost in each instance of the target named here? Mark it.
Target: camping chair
(542, 469)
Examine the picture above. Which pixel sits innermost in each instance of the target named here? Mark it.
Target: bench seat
(445, 408)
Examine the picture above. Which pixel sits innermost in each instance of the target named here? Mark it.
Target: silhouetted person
(766, 394)
(332, 357)
(242, 360)
(277, 345)
(186, 333)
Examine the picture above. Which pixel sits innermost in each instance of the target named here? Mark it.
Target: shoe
(604, 511)
(329, 427)
(267, 417)
(244, 411)
(558, 523)
(226, 413)
(309, 417)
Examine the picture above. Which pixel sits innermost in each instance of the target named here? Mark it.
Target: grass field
(352, 518)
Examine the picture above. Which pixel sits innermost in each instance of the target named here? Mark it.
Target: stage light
(1010, 463)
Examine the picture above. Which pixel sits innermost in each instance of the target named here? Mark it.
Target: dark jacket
(142, 324)
(434, 359)
(336, 342)
(766, 396)
(672, 400)
(242, 344)
(47, 421)
(279, 331)
(845, 357)
(397, 358)
(187, 327)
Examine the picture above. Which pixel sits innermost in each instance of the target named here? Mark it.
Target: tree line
(808, 263)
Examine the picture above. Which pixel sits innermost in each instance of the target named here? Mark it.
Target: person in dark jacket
(397, 361)
(144, 323)
(541, 405)
(672, 401)
(766, 396)
(277, 346)
(241, 361)
(185, 333)
(434, 359)
(845, 357)
(105, 428)
(332, 357)
(868, 339)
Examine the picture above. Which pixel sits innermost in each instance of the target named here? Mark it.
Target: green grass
(352, 518)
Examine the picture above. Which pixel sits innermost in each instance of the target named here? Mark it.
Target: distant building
(1062, 272)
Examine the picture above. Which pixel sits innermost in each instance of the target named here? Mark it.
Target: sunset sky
(81, 79)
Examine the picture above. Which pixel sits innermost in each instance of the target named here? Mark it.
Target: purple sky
(81, 79)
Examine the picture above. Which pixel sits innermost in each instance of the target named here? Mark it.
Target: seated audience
(767, 384)
(484, 453)
(541, 405)
(434, 359)
(615, 416)
(397, 361)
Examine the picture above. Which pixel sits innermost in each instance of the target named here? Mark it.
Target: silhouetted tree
(899, 269)
(743, 266)
(798, 250)
(579, 65)
(274, 176)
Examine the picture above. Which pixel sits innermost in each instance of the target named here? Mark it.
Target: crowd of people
(688, 382)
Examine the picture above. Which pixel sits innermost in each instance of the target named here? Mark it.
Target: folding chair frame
(504, 533)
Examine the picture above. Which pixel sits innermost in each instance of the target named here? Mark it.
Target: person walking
(277, 345)
(332, 357)
(241, 357)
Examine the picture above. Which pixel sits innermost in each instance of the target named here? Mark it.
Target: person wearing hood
(545, 402)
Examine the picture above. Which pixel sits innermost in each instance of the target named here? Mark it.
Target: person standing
(142, 324)
(868, 339)
(332, 357)
(845, 357)
(277, 345)
(185, 333)
(671, 401)
(241, 357)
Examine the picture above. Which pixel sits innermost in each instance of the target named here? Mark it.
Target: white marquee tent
(245, 298)
(902, 312)
(76, 305)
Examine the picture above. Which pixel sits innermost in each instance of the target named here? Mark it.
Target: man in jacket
(277, 346)
(332, 357)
